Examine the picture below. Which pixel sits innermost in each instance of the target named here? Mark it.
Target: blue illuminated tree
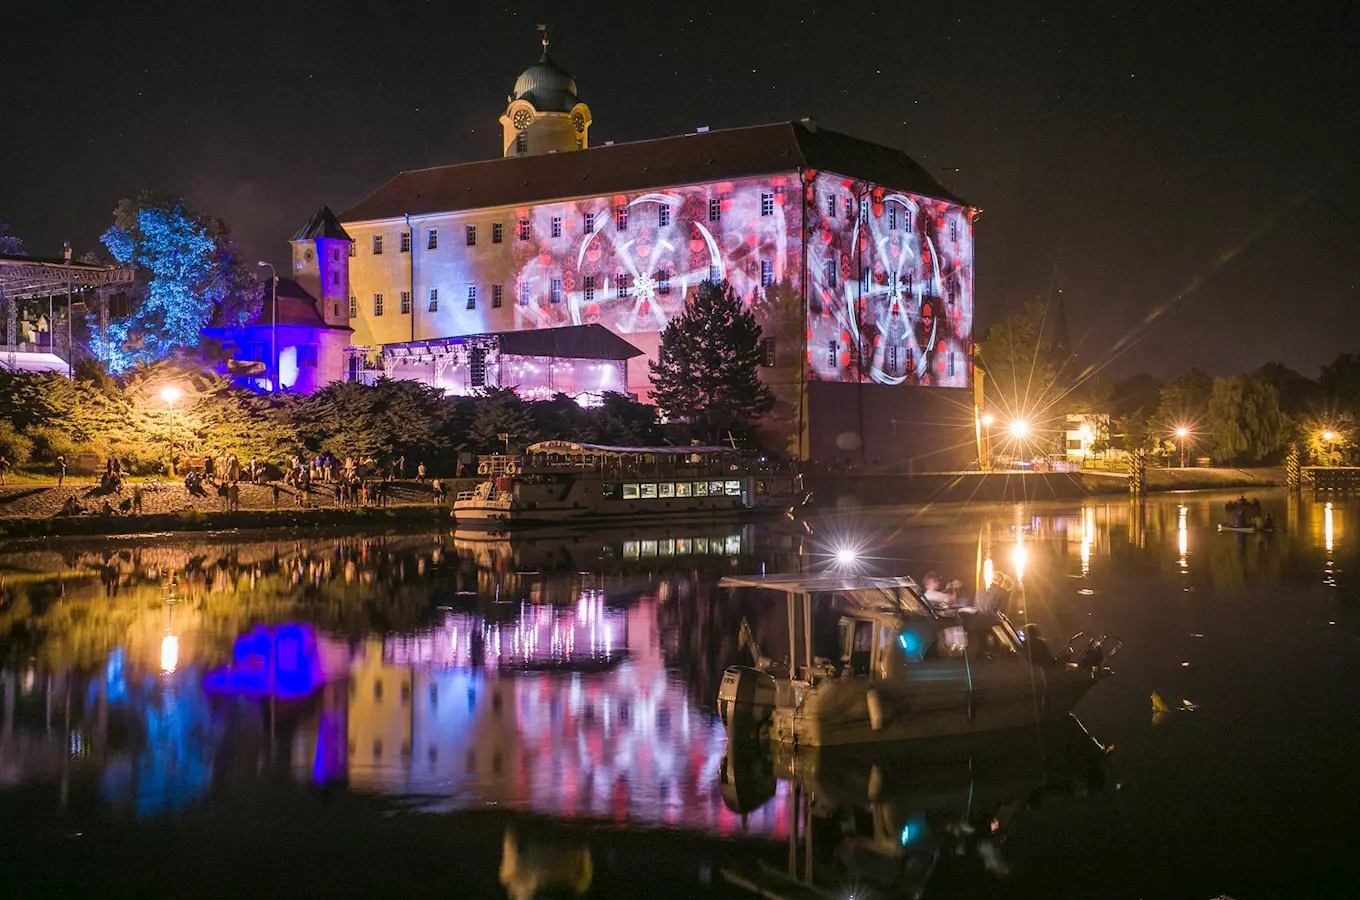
(193, 278)
(9, 244)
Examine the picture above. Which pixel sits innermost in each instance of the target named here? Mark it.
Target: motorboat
(901, 669)
(1248, 529)
(565, 482)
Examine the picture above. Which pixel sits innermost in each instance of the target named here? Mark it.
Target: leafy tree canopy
(1245, 421)
(1021, 381)
(9, 244)
(193, 276)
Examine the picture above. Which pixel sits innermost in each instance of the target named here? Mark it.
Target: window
(623, 285)
(953, 231)
(556, 226)
(524, 293)
(496, 296)
(377, 245)
(405, 302)
(892, 217)
(714, 210)
(907, 357)
(849, 210)
(353, 249)
(767, 352)
(588, 287)
(306, 356)
(335, 278)
(766, 272)
(663, 216)
(434, 299)
(497, 232)
(377, 304)
(864, 279)
(831, 206)
(406, 242)
(892, 360)
(767, 204)
(471, 233)
(621, 219)
(521, 142)
(590, 223)
(335, 255)
(663, 282)
(906, 219)
(353, 306)
(472, 296)
(714, 274)
(555, 290)
(335, 308)
(831, 354)
(522, 229)
(432, 239)
(909, 280)
(830, 267)
(864, 208)
(951, 363)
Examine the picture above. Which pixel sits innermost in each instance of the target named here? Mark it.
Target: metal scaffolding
(30, 277)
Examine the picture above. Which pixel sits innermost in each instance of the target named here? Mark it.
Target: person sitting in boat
(1240, 519)
(933, 583)
(1267, 523)
(1039, 652)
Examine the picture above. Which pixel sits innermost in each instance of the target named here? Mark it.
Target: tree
(1021, 381)
(194, 276)
(1245, 420)
(708, 373)
(1184, 404)
(1298, 393)
(1137, 395)
(501, 411)
(9, 244)
(1340, 382)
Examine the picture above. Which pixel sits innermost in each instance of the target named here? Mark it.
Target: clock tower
(544, 114)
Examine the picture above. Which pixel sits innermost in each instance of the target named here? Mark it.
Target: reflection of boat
(535, 863)
(1248, 529)
(564, 482)
(906, 671)
(884, 822)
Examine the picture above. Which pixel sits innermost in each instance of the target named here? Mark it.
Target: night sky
(1185, 173)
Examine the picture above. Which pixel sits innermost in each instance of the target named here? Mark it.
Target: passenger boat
(562, 482)
(1249, 529)
(902, 669)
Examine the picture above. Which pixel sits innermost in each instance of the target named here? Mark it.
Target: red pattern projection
(889, 271)
(892, 273)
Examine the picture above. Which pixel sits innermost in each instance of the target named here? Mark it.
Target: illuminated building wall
(887, 268)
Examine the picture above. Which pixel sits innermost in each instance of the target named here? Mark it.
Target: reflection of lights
(1088, 538)
(169, 653)
(988, 570)
(1327, 526)
(988, 419)
(906, 836)
(1019, 556)
(1182, 536)
(846, 557)
(1018, 428)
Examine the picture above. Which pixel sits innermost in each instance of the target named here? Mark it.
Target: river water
(416, 715)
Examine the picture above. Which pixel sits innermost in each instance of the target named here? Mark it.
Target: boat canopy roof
(596, 449)
(897, 593)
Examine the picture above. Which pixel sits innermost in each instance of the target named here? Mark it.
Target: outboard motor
(746, 697)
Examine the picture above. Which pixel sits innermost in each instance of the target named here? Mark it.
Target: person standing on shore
(401, 467)
(137, 499)
(420, 473)
(4, 468)
(61, 470)
(234, 497)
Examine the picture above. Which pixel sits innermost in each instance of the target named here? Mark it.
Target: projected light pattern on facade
(887, 271)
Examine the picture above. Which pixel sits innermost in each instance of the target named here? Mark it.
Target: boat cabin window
(701, 488)
(666, 489)
(734, 488)
(684, 489)
(949, 643)
(630, 492)
(612, 491)
(857, 644)
(648, 492)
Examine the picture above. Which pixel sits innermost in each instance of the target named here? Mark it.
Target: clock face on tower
(522, 118)
(579, 121)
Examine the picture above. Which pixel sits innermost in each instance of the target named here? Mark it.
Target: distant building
(313, 321)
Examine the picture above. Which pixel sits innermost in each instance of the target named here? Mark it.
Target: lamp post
(987, 419)
(1182, 433)
(273, 327)
(170, 394)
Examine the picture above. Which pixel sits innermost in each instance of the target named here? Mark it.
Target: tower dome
(548, 86)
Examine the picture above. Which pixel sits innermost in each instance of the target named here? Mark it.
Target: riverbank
(891, 489)
(33, 509)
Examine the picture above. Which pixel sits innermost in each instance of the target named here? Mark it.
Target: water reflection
(573, 677)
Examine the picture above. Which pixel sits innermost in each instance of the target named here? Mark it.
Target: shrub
(14, 446)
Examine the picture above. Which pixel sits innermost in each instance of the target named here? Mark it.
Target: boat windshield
(885, 599)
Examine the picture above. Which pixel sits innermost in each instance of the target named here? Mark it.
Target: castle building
(858, 263)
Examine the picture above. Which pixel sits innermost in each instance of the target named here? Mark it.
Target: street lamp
(1019, 428)
(170, 394)
(1328, 436)
(1182, 433)
(274, 325)
(987, 419)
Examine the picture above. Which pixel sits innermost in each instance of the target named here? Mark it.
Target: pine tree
(708, 371)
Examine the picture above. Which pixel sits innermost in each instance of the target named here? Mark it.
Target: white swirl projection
(888, 272)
